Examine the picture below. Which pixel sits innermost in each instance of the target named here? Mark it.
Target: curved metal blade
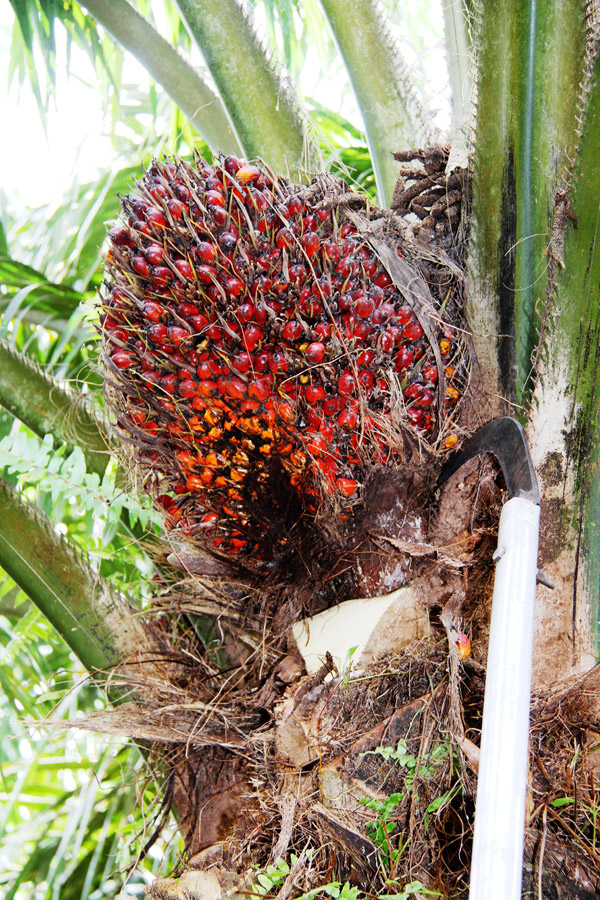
(505, 438)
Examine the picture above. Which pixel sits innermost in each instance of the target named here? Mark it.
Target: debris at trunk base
(358, 781)
(371, 769)
(212, 884)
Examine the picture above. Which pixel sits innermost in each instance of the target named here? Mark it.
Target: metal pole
(496, 869)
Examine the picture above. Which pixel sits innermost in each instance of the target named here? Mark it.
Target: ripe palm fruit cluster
(255, 349)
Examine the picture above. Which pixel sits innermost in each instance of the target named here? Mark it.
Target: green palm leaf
(274, 128)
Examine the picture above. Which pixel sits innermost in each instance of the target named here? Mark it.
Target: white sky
(38, 166)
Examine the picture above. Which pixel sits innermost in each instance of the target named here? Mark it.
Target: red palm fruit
(413, 331)
(252, 335)
(362, 330)
(347, 486)
(187, 388)
(365, 358)
(198, 323)
(383, 314)
(427, 397)
(287, 412)
(260, 312)
(315, 418)
(234, 287)
(316, 445)
(206, 274)
(123, 359)
(194, 483)
(292, 331)
(235, 388)
(404, 315)
(331, 251)
(245, 312)
(261, 361)
(331, 406)
(206, 388)
(347, 419)
(140, 266)
(205, 251)
(154, 254)
(314, 393)
(315, 353)
(184, 268)
(284, 238)
(121, 237)
(259, 389)
(278, 362)
(366, 379)
(155, 217)
(310, 243)
(248, 174)
(158, 333)
(347, 383)
(161, 275)
(298, 274)
(364, 306)
(414, 390)
(176, 208)
(277, 376)
(177, 334)
(215, 198)
(327, 431)
(403, 359)
(321, 288)
(219, 215)
(242, 362)
(323, 330)
(169, 383)
(430, 373)
(215, 333)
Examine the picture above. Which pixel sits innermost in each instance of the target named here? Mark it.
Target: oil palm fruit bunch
(260, 358)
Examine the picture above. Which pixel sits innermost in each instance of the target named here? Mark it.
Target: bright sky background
(38, 167)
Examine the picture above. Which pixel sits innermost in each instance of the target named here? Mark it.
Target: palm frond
(391, 108)
(61, 583)
(184, 85)
(25, 289)
(48, 408)
(273, 129)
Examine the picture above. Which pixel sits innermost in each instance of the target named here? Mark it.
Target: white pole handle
(502, 783)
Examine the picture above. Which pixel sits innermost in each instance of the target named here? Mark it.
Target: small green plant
(441, 802)
(589, 810)
(347, 667)
(400, 754)
(410, 890)
(381, 829)
(274, 876)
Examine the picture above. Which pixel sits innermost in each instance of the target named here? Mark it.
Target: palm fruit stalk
(262, 359)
